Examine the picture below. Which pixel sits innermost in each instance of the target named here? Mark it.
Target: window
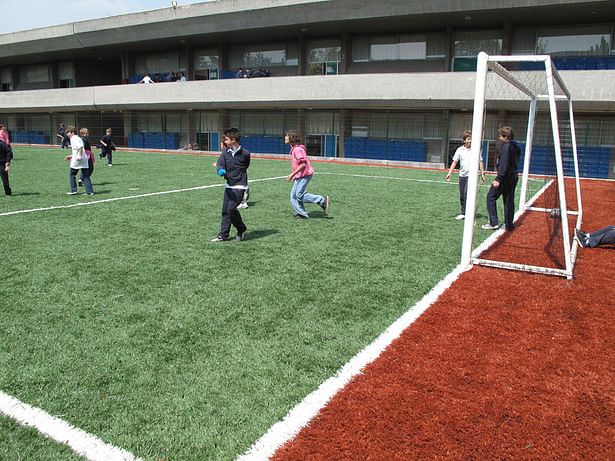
(564, 43)
(206, 59)
(159, 63)
(34, 74)
(66, 75)
(327, 53)
(470, 43)
(399, 47)
(206, 64)
(6, 80)
(264, 56)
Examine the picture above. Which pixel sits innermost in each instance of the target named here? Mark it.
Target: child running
(233, 165)
(301, 175)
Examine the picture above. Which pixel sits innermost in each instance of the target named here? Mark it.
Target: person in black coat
(505, 181)
(6, 155)
(233, 165)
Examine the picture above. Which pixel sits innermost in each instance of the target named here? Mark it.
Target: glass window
(264, 56)
(34, 74)
(65, 71)
(607, 135)
(206, 59)
(574, 45)
(360, 50)
(163, 62)
(6, 80)
(470, 43)
(436, 45)
(395, 48)
(325, 53)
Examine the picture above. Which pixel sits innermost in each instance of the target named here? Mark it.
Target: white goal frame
(488, 63)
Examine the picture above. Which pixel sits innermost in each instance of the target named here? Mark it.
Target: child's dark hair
(233, 133)
(294, 137)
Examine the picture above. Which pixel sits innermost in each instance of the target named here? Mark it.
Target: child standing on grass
(107, 147)
(301, 175)
(78, 161)
(233, 165)
(84, 133)
(462, 156)
(4, 135)
(6, 155)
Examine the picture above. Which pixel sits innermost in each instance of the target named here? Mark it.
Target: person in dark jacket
(6, 155)
(107, 147)
(233, 165)
(505, 181)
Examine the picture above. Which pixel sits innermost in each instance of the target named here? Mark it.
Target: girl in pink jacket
(301, 175)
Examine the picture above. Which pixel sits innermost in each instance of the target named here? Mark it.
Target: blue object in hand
(221, 172)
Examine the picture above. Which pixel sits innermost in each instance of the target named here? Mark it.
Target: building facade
(387, 80)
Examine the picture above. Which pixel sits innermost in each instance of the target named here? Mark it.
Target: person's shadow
(259, 234)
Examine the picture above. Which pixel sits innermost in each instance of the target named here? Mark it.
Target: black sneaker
(300, 216)
(582, 238)
(325, 205)
(241, 236)
(217, 239)
(80, 183)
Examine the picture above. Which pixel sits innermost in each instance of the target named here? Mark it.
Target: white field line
(95, 449)
(82, 443)
(299, 416)
(391, 177)
(128, 197)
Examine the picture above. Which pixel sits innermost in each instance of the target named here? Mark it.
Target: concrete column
(450, 47)
(346, 60)
(302, 68)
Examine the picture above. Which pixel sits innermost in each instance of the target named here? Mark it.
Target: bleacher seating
(378, 149)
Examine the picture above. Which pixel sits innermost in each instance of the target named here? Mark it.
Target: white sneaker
(460, 217)
(242, 205)
(489, 227)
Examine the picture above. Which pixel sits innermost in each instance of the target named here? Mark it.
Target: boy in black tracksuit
(6, 155)
(505, 181)
(233, 164)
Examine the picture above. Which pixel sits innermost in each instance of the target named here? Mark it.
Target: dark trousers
(604, 236)
(90, 169)
(507, 191)
(230, 214)
(5, 181)
(463, 192)
(108, 154)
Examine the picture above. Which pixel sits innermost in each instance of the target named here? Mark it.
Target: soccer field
(118, 317)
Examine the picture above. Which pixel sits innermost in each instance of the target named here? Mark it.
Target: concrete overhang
(592, 91)
(229, 21)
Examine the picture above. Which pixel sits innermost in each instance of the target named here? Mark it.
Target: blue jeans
(86, 180)
(298, 196)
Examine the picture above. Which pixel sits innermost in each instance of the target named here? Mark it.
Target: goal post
(528, 85)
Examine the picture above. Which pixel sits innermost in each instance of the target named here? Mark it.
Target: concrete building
(387, 80)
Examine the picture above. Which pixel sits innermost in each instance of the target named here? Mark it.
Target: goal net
(528, 94)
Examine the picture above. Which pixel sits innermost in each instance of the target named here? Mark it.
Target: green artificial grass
(121, 318)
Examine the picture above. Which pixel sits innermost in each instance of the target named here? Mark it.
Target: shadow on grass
(24, 194)
(259, 234)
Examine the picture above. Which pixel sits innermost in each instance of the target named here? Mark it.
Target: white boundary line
(95, 449)
(81, 442)
(128, 197)
(299, 416)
